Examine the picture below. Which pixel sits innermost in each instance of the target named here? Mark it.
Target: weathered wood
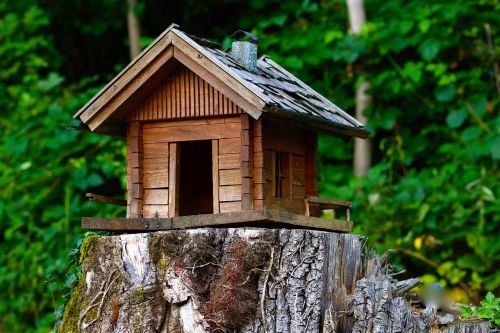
(106, 199)
(156, 179)
(230, 144)
(192, 106)
(229, 161)
(173, 196)
(195, 132)
(114, 99)
(231, 206)
(330, 203)
(135, 160)
(202, 220)
(154, 211)
(230, 177)
(215, 176)
(295, 281)
(210, 72)
(156, 197)
(230, 193)
(155, 149)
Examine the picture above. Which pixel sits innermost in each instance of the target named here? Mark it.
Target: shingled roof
(270, 90)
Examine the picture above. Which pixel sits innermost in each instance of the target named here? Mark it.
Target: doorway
(195, 178)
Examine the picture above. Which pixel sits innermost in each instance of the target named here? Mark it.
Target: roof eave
(321, 125)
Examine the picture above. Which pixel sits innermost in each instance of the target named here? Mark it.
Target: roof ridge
(130, 64)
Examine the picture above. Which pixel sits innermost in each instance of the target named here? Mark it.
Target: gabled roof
(270, 90)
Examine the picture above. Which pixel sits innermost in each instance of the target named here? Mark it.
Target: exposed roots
(234, 294)
(97, 301)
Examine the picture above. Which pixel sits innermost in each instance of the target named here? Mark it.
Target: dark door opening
(195, 178)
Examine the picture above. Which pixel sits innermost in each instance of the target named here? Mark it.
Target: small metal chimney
(244, 49)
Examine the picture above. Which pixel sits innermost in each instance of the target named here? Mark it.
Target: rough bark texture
(228, 280)
(362, 148)
(134, 29)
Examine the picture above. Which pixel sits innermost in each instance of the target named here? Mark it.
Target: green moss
(73, 308)
(163, 264)
(88, 246)
(140, 295)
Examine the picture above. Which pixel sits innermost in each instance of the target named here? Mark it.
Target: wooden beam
(106, 199)
(215, 175)
(128, 84)
(333, 203)
(262, 218)
(173, 174)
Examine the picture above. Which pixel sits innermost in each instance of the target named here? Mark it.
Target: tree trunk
(362, 148)
(235, 280)
(134, 29)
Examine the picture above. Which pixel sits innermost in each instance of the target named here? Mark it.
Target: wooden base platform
(260, 218)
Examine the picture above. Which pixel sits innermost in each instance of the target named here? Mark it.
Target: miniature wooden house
(215, 137)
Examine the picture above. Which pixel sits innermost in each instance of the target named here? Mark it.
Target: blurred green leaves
(432, 193)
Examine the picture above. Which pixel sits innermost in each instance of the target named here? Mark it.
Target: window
(282, 175)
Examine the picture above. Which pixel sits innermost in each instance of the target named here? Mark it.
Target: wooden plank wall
(230, 174)
(159, 136)
(246, 159)
(135, 189)
(278, 137)
(184, 95)
(311, 160)
(259, 186)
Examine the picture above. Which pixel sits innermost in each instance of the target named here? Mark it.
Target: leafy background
(431, 193)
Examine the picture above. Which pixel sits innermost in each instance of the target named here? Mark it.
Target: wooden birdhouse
(215, 138)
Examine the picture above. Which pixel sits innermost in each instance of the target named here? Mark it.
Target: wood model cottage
(215, 138)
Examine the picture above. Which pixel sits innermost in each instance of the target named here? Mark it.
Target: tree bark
(362, 148)
(134, 29)
(236, 280)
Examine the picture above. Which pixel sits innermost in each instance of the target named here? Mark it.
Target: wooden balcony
(313, 203)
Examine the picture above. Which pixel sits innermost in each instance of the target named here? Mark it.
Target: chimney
(244, 52)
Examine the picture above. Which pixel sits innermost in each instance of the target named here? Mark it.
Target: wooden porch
(260, 218)
(263, 217)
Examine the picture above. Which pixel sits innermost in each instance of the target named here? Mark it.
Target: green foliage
(46, 170)
(432, 192)
(489, 310)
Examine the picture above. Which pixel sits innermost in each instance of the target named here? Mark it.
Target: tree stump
(237, 280)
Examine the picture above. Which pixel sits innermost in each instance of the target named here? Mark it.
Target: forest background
(431, 193)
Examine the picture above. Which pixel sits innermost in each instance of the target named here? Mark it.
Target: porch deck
(261, 218)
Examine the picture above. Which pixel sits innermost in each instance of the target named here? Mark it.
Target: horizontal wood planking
(283, 138)
(135, 186)
(188, 132)
(155, 150)
(229, 161)
(230, 145)
(155, 180)
(184, 94)
(151, 211)
(231, 206)
(156, 196)
(230, 193)
(155, 165)
(278, 138)
(250, 217)
(230, 177)
(258, 166)
(190, 122)
(298, 170)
